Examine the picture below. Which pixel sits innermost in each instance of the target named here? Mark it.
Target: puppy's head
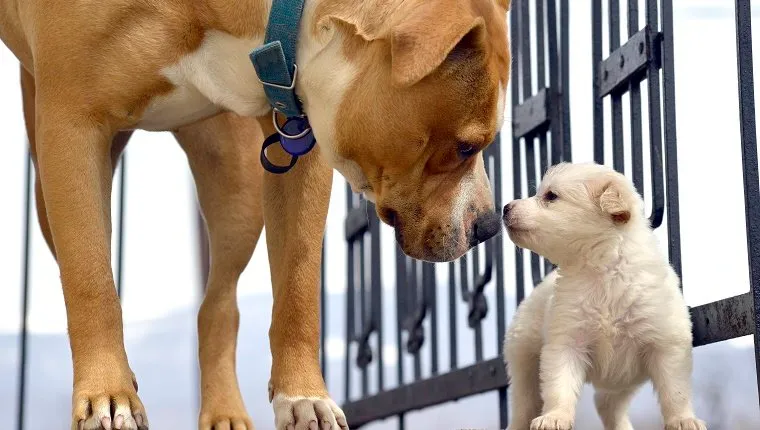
(403, 99)
(576, 207)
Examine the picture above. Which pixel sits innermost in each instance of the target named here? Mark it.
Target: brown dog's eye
(550, 196)
(466, 150)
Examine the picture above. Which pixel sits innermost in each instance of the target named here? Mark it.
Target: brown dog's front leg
(73, 156)
(224, 156)
(295, 209)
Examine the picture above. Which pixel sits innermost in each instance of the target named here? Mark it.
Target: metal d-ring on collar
(276, 69)
(282, 133)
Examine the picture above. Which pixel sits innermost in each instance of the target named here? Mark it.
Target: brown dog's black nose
(486, 226)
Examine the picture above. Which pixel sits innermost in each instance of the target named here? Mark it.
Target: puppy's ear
(423, 40)
(613, 202)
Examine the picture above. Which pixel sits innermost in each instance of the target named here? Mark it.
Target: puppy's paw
(307, 413)
(552, 421)
(689, 423)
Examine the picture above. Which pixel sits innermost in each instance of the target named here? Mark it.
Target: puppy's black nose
(486, 226)
(507, 208)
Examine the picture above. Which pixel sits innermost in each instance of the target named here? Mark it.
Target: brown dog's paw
(307, 413)
(225, 418)
(118, 410)
(227, 423)
(223, 409)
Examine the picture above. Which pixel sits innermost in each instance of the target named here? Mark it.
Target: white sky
(161, 259)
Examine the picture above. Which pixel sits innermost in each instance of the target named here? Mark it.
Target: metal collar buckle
(282, 87)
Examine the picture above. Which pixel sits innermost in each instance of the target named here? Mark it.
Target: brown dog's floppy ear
(421, 42)
(506, 4)
(615, 204)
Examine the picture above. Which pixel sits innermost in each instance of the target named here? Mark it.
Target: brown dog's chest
(217, 77)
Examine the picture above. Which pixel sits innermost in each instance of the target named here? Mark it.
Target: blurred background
(162, 274)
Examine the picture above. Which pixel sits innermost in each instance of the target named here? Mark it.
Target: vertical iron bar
(541, 46)
(23, 338)
(637, 144)
(428, 276)
(564, 60)
(527, 87)
(596, 59)
(377, 294)
(122, 200)
(655, 129)
(363, 311)
(618, 146)
(517, 192)
(464, 277)
(749, 159)
(516, 172)
(543, 153)
(350, 301)
(557, 141)
(401, 290)
(414, 299)
(452, 317)
(671, 152)
(530, 166)
(475, 261)
(323, 313)
(544, 163)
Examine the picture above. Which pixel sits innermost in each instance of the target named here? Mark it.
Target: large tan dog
(402, 95)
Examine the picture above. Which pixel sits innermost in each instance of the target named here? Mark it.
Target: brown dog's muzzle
(436, 241)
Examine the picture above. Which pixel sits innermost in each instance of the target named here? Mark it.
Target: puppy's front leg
(670, 370)
(563, 372)
(295, 208)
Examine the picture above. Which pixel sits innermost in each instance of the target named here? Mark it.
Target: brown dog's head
(403, 97)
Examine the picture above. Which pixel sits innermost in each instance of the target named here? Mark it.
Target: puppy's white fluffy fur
(612, 313)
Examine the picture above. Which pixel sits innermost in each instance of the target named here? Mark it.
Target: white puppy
(612, 314)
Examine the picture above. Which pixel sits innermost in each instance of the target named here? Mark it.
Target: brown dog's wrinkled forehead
(434, 72)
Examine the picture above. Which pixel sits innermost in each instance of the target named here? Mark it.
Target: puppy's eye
(466, 150)
(550, 196)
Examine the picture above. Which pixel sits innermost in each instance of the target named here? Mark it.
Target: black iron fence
(540, 138)
(427, 333)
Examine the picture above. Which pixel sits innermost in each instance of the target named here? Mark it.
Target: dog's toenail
(118, 422)
(105, 422)
(80, 426)
(313, 425)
